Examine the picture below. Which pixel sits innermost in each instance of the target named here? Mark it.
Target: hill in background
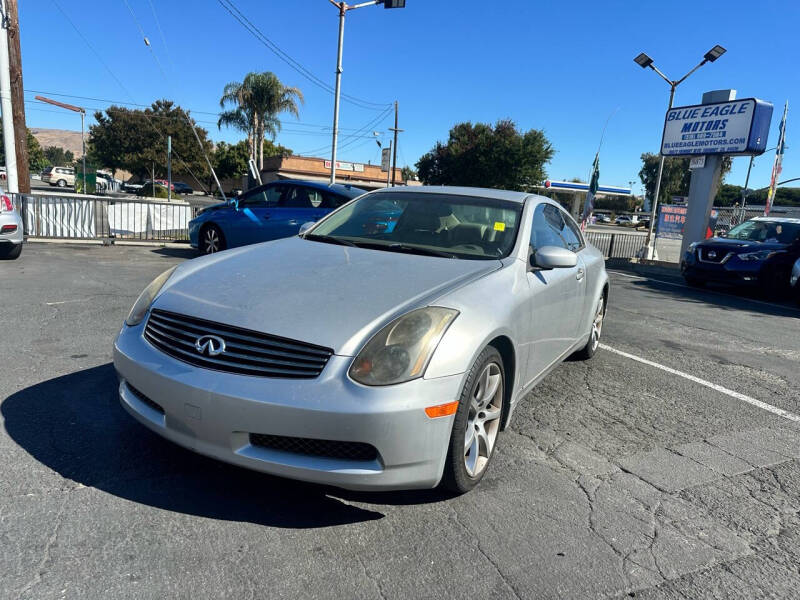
(69, 140)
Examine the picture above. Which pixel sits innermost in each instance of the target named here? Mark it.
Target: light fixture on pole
(77, 109)
(343, 7)
(644, 61)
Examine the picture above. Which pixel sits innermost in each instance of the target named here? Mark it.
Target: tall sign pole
(342, 11)
(5, 105)
(396, 131)
(17, 97)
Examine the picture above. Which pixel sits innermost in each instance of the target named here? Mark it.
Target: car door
(556, 296)
(252, 221)
(298, 205)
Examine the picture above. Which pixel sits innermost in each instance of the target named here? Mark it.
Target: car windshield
(766, 231)
(436, 224)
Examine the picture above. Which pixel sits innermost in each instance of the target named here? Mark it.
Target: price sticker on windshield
(499, 226)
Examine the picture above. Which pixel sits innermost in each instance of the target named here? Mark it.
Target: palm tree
(255, 104)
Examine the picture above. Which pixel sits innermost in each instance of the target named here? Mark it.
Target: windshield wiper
(405, 248)
(328, 239)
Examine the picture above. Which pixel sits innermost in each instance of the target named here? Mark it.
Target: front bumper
(213, 413)
(733, 271)
(16, 236)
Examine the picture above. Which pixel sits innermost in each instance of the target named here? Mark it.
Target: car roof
(492, 193)
(777, 220)
(350, 191)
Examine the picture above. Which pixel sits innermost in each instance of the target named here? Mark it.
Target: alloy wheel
(211, 241)
(597, 324)
(483, 420)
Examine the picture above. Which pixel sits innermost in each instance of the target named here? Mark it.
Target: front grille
(144, 399)
(246, 352)
(310, 447)
(718, 255)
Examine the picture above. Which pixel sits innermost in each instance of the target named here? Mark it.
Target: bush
(159, 192)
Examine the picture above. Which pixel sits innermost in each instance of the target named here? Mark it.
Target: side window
(296, 197)
(315, 196)
(547, 227)
(255, 198)
(333, 200)
(571, 233)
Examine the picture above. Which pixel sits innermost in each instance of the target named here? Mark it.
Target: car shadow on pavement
(725, 298)
(75, 425)
(188, 252)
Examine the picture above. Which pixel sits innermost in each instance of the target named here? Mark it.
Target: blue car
(267, 212)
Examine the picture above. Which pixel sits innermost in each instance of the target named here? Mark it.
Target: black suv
(757, 253)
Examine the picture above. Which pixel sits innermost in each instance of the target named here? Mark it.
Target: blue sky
(563, 67)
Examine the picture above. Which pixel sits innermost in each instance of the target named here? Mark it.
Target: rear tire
(479, 417)
(212, 240)
(10, 251)
(61, 183)
(588, 351)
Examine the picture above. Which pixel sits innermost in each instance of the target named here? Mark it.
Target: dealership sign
(734, 127)
(346, 166)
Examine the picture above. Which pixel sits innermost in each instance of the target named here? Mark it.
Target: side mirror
(553, 257)
(305, 227)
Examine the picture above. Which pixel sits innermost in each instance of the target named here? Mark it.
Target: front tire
(61, 183)
(10, 253)
(212, 240)
(477, 423)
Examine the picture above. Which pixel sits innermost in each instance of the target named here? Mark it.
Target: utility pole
(389, 172)
(8, 121)
(396, 131)
(17, 96)
(169, 168)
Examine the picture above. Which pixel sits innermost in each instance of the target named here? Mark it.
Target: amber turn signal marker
(442, 410)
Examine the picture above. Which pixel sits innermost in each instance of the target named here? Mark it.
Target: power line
(231, 8)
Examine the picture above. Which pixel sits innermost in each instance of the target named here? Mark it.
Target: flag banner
(778, 166)
(594, 184)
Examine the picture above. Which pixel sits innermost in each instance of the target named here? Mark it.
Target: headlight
(146, 298)
(402, 350)
(794, 280)
(692, 246)
(760, 255)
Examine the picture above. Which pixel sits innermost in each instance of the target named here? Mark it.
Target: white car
(60, 176)
(11, 234)
(624, 220)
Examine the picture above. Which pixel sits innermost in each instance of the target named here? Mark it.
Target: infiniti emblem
(210, 345)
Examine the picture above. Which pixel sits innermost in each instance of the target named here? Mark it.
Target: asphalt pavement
(666, 467)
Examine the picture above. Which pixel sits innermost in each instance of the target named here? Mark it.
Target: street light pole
(77, 109)
(343, 7)
(645, 61)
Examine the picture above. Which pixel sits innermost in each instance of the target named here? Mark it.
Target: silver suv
(60, 176)
(10, 229)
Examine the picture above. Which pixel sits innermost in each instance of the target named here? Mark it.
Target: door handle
(294, 222)
(579, 275)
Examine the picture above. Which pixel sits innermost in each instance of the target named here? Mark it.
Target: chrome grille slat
(247, 352)
(224, 330)
(234, 344)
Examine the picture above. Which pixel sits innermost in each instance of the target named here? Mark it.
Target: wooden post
(18, 98)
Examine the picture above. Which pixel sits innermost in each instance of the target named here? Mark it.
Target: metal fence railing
(92, 217)
(617, 245)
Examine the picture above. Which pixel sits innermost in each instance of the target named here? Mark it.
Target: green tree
(255, 104)
(483, 155)
(408, 174)
(675, 178)
(56, 155)
(36, 158)
(136, 140)
(230, 160)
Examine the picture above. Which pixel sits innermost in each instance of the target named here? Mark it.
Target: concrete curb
(114, 242)
(644, 267)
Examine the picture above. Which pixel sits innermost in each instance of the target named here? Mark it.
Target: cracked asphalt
(616, 479)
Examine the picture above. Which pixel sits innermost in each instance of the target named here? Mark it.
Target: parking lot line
(758, 403)
(706, 291)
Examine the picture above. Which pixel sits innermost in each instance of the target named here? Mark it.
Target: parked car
(624, 220)
(601, 218)
(268, 212)
(131, 188)
(59, 176)
(11, 233)
(182, 188)
(757, 253)
(367, 360)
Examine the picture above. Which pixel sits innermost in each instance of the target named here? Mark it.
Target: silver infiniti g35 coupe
(384, 347)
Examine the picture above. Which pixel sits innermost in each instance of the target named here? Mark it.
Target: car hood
(739, 246)
(325, 294)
